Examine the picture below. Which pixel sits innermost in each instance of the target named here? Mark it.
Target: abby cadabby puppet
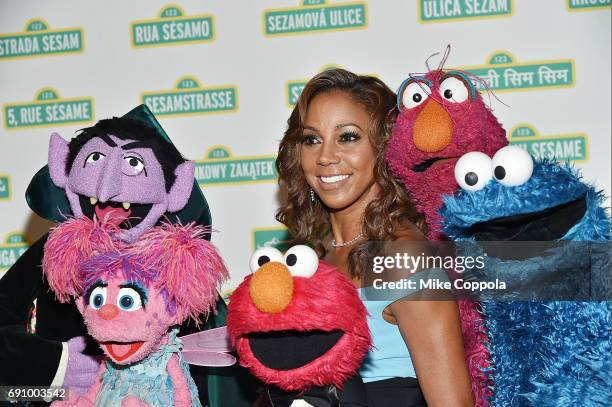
(132, 298)
(299, 326)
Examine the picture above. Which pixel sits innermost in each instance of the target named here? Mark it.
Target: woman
(339, 197)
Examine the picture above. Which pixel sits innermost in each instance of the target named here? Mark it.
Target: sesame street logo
(585, 5)
(13, 247)
(504, 74)
(39, 40)
(294, 90)
(5, 187)
(434, 11)
(561, 147)
(220, 167)
(315, 16)
(189, 98)
(48, 109)
(277, 237)
(172, 27)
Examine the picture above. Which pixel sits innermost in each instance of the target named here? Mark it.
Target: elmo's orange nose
(433, 128)
(108, 311)
(271, 288)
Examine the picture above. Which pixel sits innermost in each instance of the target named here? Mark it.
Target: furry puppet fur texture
(442, 116)
(544, 353)
(130, 296)
(298, 323)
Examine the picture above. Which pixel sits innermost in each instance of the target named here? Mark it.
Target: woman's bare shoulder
(410, 239)
(409, 232)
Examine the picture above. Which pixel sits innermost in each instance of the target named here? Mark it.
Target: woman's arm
(432, 332)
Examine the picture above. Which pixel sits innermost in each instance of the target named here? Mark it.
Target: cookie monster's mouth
(120, 351)
(425, 165)
(287, 350)
(546, 225)
(124, 215)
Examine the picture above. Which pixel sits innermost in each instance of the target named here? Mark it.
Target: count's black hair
(128, 129)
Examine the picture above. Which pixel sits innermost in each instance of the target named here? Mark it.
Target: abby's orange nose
(108, 311)
(433, 128)
(271, 288)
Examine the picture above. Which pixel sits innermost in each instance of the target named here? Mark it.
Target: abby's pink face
(128, 320)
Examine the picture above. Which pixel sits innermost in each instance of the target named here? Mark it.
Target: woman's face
(336, 155)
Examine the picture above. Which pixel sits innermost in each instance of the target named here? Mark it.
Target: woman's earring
(312, 196)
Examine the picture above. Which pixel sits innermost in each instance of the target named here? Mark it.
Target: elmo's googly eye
(473, 171)
(453, 90)
(264, 255)
(97, 298)
(512, 166)
(129, 299)
(302, 261)
(414, 94)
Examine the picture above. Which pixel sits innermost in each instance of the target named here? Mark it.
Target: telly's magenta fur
(426, 142)
(327, 302)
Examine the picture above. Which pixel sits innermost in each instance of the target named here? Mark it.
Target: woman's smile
(332, 182)
(337, 156)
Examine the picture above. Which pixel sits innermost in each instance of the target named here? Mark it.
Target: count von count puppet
(544, 353)
(124, 170)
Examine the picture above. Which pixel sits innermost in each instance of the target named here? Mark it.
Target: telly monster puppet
(443, 116)
(127, 171)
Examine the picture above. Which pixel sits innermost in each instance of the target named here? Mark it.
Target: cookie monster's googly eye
(453, 90)
(473, 171)
(264, 255)
(512, 166)
(302, 261)
(97, 298)
(414, 94)
(129, 300)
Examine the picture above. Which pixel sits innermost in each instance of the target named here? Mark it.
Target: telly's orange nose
(433, 128)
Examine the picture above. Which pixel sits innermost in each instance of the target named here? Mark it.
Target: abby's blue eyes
(97, 298)
(129, 299)
(131, 296)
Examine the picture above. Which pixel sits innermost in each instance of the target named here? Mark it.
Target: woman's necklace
(350, 242)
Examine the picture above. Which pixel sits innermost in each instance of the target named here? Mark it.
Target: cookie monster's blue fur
(554, 353)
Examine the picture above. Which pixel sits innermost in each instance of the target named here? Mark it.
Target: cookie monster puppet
(300, 327)
(544, 353)
(127, 171)
(441, 117)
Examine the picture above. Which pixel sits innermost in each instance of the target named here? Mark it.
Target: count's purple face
(120, 181)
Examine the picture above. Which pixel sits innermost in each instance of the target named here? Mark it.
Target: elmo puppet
(300, 327)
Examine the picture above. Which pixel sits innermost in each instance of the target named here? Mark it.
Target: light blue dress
(389, 356)
(147, 379)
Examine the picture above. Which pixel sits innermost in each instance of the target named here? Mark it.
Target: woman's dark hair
(307, 221)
